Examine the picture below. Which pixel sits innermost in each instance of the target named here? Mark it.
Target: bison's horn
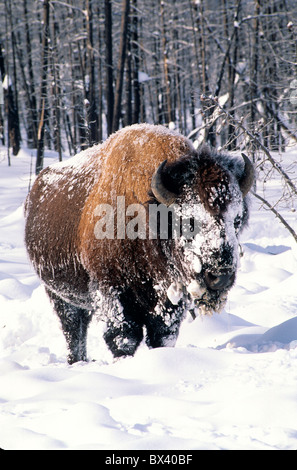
(246, 180)
(163, 195)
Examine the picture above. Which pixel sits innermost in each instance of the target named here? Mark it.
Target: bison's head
(209, 192)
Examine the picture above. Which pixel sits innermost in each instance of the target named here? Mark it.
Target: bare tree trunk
(56, 93)
(270, 72)
(168, 108)
(178, 89)
(31, 86)
(210, 134)
(100, 80)
(254, 69)
(231, 65)
(127, 118)
(135, 60)
(43, 92)
(14, 134)
(121, 65)
(109, 65)
(157, 94)
(2, 75)
(73, 100)
(92, 116)
(82, 103)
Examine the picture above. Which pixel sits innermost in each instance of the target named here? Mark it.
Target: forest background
(219, 71)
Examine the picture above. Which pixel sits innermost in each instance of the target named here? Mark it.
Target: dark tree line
(74, 71)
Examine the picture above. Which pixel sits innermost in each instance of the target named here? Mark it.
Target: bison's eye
(189, 229)
(192, 224)
(237, 223)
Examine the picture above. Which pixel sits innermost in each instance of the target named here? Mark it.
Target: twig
(277, 214)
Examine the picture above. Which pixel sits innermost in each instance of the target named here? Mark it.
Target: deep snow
(230, 383)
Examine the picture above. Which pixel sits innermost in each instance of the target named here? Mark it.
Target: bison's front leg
(163, 324)
(124, 324)
(75, 322)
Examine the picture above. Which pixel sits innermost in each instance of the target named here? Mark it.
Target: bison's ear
(248, 176)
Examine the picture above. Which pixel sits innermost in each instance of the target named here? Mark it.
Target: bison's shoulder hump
(149, 142)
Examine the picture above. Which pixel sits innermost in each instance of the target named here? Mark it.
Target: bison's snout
(219, 281)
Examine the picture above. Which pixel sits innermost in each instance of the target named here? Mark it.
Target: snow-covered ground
(230, 383)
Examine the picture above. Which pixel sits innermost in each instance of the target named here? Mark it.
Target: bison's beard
(204, 301)
(198, 299)
(208, 305)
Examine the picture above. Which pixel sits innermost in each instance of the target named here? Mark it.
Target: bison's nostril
(219, 281)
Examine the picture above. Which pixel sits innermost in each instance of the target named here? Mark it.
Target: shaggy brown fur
(60, 212)
(213, 186)
(130, 160)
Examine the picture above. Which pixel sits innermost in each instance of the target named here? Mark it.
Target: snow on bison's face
(213, 210)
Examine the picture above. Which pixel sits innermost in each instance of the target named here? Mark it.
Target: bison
(95, 235)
